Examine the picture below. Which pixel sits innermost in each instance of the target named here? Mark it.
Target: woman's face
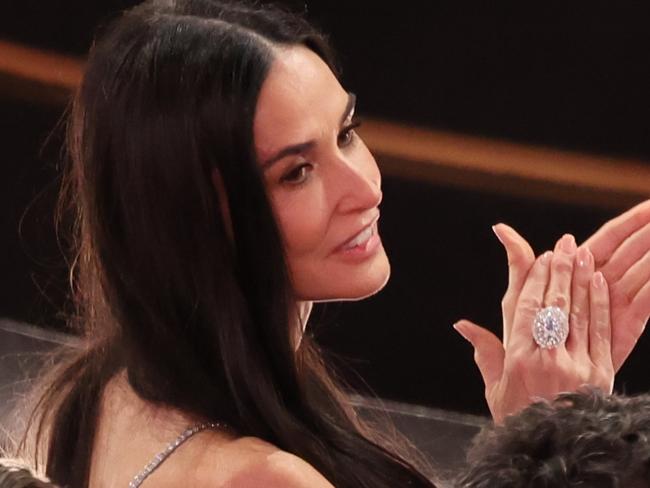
(323, 182)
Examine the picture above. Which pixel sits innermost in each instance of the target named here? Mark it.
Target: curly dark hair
(15, 475)
(584, 439)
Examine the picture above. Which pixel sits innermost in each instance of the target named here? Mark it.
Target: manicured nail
(568, 243)
(598, 279)
(496, 233)
(459, 328)
(584, 257)
(546, 257)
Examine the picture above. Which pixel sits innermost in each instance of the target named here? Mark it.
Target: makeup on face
(323, 182)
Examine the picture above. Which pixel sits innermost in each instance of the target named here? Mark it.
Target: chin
(349, 287)
(366, 289)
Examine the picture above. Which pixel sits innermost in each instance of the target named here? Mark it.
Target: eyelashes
(346, 136)
(300, 173)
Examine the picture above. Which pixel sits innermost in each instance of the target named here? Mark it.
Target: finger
(578, 340)
(520, 258)
(558, 293)
(633, 248)
(600, 338)
(530, 301)
(629, 326)
(488, 350)
(639, 310)
(634, 279)
(630, 305)
(610, 236)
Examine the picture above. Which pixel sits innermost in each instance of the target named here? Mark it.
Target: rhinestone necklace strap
(171, 447)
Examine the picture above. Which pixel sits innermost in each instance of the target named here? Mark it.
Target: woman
(220, 189)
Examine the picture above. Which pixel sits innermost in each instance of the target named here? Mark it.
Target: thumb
(488, 350)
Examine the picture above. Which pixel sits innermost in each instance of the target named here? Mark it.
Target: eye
(346, 136)
(297, 175)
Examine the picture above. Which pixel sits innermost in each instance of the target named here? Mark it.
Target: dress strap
(171, 447)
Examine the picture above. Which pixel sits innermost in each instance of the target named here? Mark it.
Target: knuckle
(507, 306)
(578, 321)
(530, 303)
(477, 357)
(581, 281)
(601, 324)
(520, 260)
(562, 265)
(600, 303)
(559, 300)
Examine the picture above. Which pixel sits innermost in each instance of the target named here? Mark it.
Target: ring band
(550, 327)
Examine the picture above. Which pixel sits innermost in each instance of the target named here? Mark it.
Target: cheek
(303, 217)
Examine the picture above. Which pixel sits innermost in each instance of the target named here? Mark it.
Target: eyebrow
(302, 147)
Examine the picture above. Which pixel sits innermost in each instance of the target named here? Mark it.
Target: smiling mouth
(361, 238)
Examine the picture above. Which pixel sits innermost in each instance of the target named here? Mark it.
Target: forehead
(300, 98)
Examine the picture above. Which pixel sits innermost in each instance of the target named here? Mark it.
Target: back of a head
(584, 439)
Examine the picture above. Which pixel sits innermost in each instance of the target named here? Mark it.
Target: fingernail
(584, 257)
(598, 279)
(496, 233)
(568, 243)
(458, 326)
(546, 257)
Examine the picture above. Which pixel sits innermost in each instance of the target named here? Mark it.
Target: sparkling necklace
(171, 447)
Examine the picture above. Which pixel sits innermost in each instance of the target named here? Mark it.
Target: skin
(340, 191)
(325, 194)
(619, 250)
(517, 371)
(328, 188)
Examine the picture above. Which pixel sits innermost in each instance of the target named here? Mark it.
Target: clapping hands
(604, 288)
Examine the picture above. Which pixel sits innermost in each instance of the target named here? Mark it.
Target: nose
(359, 184)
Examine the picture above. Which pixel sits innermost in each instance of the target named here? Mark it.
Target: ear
(222, 196)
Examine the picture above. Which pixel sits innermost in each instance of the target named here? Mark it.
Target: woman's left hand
(518, 371)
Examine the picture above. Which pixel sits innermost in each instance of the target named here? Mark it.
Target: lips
(361, 236)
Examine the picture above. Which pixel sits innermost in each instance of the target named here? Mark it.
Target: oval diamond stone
(550, 327)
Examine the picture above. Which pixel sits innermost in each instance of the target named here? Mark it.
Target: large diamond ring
(550, 327)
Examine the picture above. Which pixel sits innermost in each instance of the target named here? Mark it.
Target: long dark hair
(165, 288)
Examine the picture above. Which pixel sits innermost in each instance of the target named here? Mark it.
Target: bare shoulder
(279, 470)
(131, 432)
(253, 463)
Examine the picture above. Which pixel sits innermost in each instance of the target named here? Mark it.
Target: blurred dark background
(571, 77)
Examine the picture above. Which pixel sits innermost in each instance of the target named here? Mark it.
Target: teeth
(361, 238)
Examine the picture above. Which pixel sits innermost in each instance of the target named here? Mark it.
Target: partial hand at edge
(621, 250)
